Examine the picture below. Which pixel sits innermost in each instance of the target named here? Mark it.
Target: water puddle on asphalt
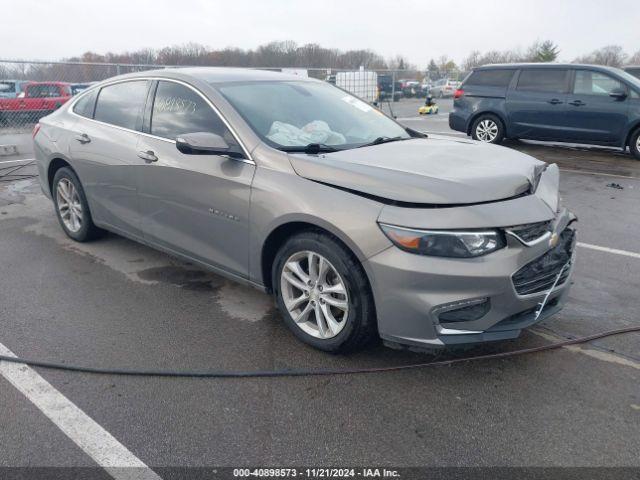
(139, 263)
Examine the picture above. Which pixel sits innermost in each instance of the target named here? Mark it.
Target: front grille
(531, 231)
(539, 275)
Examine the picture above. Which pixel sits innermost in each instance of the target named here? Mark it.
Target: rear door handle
(577, 103)
(83, 138)
(555, 101)
(148, 156)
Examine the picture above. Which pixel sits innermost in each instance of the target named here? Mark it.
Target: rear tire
(299, 288)
(488, 128)
(634, 144)
(72, 208)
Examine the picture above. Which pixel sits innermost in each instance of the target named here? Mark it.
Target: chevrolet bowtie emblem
(553, 241)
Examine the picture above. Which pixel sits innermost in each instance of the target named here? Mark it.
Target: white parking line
(94, 440)
(609, 250)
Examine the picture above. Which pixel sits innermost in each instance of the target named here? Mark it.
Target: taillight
(458, 93)
(36, 129)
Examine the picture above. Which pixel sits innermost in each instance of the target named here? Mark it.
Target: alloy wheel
(487, 130)
(314, 294)
(69, 205)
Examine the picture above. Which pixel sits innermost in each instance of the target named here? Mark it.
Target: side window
(178, 110)
(121, 104)
(546, 80)
(594, 83)
(85, 106)
(490, 78)
(634, 94)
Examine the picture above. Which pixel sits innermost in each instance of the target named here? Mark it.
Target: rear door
(104, 150)
(593, 115)
(537, 105)
(196, 205)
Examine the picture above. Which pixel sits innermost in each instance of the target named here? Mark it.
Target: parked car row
(572, 103)
(23, 101)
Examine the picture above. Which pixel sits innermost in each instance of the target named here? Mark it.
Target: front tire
(323, 293)
(634, 144)
(488, 128)
(72, 208)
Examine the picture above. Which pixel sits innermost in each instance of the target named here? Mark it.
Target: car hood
(434, 170)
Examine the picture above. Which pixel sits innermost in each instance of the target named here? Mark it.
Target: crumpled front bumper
(411, 291)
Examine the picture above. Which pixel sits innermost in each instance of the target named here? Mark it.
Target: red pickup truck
(35, 101)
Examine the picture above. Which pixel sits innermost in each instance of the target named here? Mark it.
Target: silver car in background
(444, 88)
(358, 226)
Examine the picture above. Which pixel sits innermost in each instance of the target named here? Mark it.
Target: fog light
(467, 312)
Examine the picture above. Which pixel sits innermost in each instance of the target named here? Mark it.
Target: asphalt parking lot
(118, 304)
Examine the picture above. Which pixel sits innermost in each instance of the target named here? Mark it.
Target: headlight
(445, 243)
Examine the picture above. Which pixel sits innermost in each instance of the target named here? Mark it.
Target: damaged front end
(437, 301)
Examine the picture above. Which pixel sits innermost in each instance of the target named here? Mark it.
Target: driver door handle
(148, 156)
(577, 103)
(555, 101)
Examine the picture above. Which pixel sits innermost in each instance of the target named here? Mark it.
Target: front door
(196, 205)
(537, 105)
(593, 115)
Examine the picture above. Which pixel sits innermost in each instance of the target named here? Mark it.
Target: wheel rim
(487, 130)
(314, 294)
(638, 143)
(69, 205)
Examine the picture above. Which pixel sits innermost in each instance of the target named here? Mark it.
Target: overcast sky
(418, 29)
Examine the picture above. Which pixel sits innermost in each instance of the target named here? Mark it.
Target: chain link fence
(30, 90)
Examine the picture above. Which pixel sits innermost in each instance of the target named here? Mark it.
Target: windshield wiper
(312, 148)
(381, 140)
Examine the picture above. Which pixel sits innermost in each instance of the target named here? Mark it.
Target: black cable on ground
(10, 176)
(309, 372)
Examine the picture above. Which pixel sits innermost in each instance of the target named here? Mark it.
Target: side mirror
(205, 143)
(618, 93)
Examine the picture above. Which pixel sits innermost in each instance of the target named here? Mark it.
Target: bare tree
(400, 62)
(634, 59)
(611, 55)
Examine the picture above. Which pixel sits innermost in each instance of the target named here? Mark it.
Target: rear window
(84, 107)
(121, 104)
(490, 78)
(548, 80)
(43, 91)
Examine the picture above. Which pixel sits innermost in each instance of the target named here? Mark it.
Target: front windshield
(297, 114)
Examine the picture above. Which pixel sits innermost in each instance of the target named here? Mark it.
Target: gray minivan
(550, 102)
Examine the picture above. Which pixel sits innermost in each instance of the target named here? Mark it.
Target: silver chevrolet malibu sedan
(359, 226)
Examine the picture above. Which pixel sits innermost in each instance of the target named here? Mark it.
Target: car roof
(546, 65)
(63, 84)
(219, 74)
